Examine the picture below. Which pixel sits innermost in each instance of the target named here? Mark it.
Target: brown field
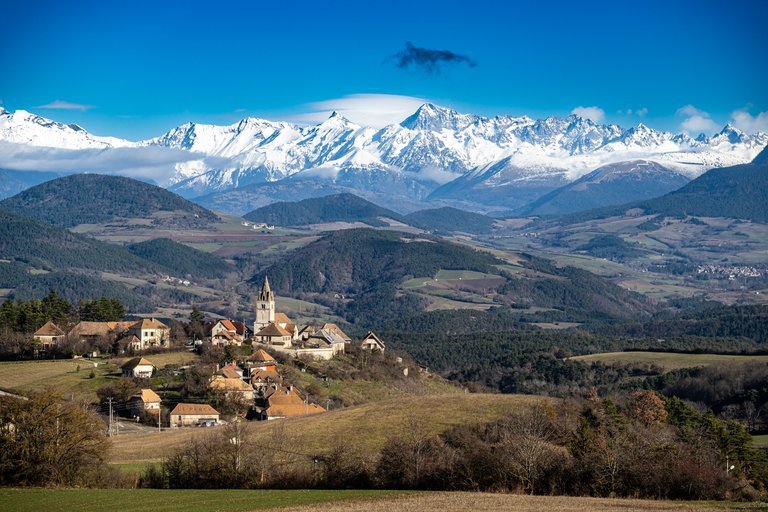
(487, 502)
(669, 360)
(366, 427)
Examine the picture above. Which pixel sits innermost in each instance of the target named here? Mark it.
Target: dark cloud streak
(427, 59)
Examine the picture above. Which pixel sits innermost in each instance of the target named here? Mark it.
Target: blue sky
(136, 69)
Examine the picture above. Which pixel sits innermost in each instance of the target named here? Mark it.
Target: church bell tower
(265, 307)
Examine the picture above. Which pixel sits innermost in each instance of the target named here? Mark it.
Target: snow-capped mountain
(435, 153)
(22, 127)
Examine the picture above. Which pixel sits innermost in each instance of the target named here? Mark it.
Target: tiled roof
(228, 325)
(261, 355)
(147, 395)
(225, 384)
(273, 330)
(136, 361)
(149, 323)
(49, 329)
(335, 328)
(194, 410)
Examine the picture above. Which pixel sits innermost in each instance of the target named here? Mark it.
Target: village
(246, 385)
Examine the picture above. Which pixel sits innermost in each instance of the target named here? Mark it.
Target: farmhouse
(138, 367)
(191, 415)
(49, 335)
(372, 342)
(146, 401)
(95, 331)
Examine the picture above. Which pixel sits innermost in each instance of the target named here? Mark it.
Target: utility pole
(110, 416)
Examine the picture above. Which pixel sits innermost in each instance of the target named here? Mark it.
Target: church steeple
(266, 292)
(265, 307)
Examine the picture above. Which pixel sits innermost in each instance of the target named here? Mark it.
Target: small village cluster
(253, 380)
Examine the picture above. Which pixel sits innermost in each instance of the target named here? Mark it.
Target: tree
(102, 310)
(47, 440)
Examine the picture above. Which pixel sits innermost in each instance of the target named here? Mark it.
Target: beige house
(335, 328)
(146, 401)
(138, 367)
(372, 342)
(274, 335)
(151, 333)
(93, 331)
(49, 335)
(193, 415)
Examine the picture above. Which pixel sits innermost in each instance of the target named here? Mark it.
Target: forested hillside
(353, 261)
(53, 248)
(96, 199)
(179, 259)
(449, 220)
(739, 192)
(319, 210)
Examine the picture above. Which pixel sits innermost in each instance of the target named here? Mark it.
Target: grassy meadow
(67, 376)
(669, 360)
(154, 500)
(151, 500)
(377, 421)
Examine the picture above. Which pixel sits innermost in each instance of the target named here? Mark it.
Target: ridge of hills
(95, 199)
(739, 192)
(344, 207)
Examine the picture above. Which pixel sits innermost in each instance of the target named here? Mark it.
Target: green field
(760, 441)
(668, 360)
(153, 500)
(62, 375)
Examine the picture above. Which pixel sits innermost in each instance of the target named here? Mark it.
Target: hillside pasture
(668, 361)
(62, 375)
(377, 421)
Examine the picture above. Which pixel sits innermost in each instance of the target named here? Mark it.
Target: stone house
(49, 335)
(231, 387)
(193, 415)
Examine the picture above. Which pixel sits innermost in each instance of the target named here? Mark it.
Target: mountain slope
(95, 199)
(179, 259)
(334, 208)
(54, 248)
(739, 192)
(449, 220)
(609, 185)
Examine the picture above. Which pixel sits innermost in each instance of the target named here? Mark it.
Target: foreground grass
(365, 427)
(153, 500)
(669, 360)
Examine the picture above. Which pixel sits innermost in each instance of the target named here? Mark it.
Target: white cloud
(748, 123)
(375, 110)
(596, 114)
(696, 121)
(65, 105)
(151, 162)
(641, 112)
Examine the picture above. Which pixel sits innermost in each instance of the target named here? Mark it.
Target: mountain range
(435, 156)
